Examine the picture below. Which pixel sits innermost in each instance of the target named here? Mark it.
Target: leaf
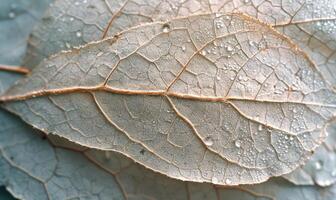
(320, 169)
(311, 24)
(32, 169)
(70, 23)
(16, 22)
(289, 17)
(219, 111)
(66, 174)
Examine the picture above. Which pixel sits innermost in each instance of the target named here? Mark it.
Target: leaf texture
(320, 169)
(311, 24)
(198, 104)
(16, 22)
(33, 169)
(46, 171)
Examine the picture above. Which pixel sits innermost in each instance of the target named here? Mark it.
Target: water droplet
(260, 127)
(208, 141)
(318, 165)
(203, 52)
(153, 121)
(333, 173)
(229, 48)
(183, 48)
(228, 181)
(11, 15)
(67, 45)
(218, 78)
(71, 19)
(214, 180)
(165, 28)
(78, 34)
(246, 1)
(76, 3)
(237, 143)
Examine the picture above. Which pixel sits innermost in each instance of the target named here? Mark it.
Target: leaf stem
(16, 69)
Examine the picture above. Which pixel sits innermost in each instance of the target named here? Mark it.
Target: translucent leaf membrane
(312, 24)
(33, 168)
(229, 105)
(320, 169)
(309, 23)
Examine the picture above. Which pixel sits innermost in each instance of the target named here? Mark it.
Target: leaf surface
(198, 104)
(16, 22)
(320, 169)
(33, 169)
(311, 24)
(55, 172)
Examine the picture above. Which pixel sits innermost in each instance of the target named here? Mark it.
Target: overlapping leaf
(48, 172)
(320, 169)
(229, 105)
(16, 19)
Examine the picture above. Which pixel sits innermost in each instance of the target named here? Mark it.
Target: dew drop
(67, 45)
(208, 141)
(333, 173)
(260, 127)
(71, 19)
(318, 165)
(203, 52)
(183, 48)
(218, 78)
(78, 34)
(165, 28)
(229, 48)
(237, 143)
(228, 181)
(11, 15)
(214, 180)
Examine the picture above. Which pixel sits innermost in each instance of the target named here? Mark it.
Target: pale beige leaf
(186, 98)
(312, 24)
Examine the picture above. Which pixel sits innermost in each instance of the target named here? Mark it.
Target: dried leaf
(197, 104)
(48, 172)
(320, 169)
(311, 24)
